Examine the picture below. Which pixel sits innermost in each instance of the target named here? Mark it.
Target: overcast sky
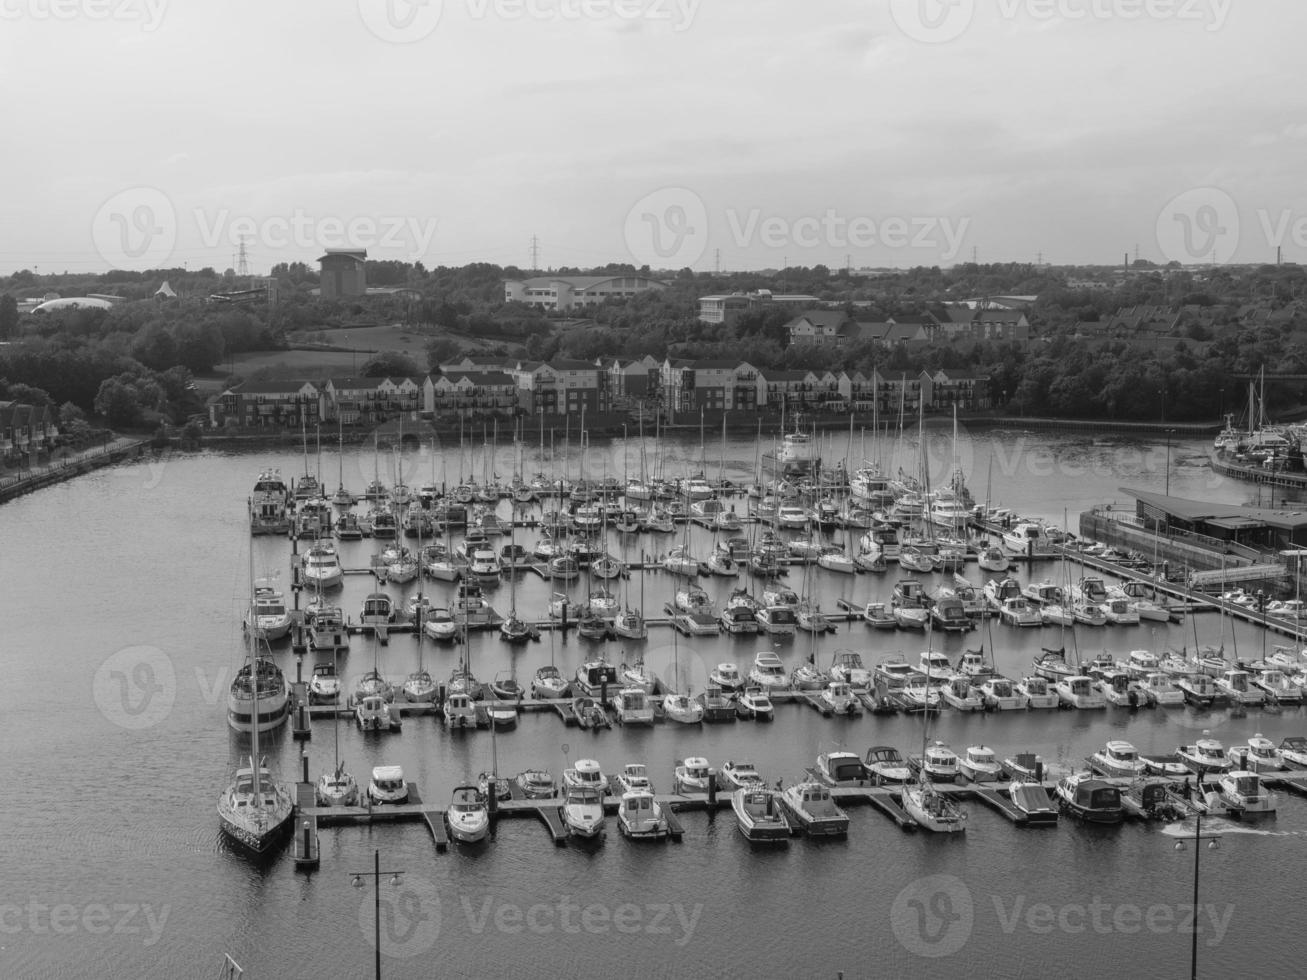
(754, 133)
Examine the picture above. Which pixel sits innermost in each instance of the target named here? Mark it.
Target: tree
(8, 316)
(390, 364)
(117, 402)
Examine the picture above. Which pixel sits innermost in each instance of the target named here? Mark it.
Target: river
(124, 591)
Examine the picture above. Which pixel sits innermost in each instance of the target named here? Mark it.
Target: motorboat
(378, 610)
(634, 777)
(980, 765)
(779, 595)
(1000, 694)
(1238, 687)
(938, 763)
(693, 776)
(460, 711)
(563, 568)
(641, 817)
(958, 693)
(1038, 692)
(586, 774)
(1079, 691)
(636, 675)
(1090, 798)
(727, 677)
(810, 807)
(934, 665)
(596, 678)
(1120, 612)
(949, 613)
(777, 620)
(583, 811)
(738, 620)
(1117, 759)
(1151, 799)
(1205, 756)
(1294, 750)
(1244, 792)
(918, 694)
(1018, 611)
(1140, 663)
(1261, 755)
(1029, 538)
(1279, 689)
(838, 698)
(885, 764)
(1159, 689)
(388, 785)
(548, 683)
(588, 713)
(739, 775)
(536, 784)
(878, 615)
(998, 591)
(633, 707)
(324, 685)
(753, 703)
(683, 709)
(847, 666)
(1031, 799)
(1199, 690)
(268, 618)
(488, 785)
(759, 815)
(1117, 687)
(321, 567)
(263, 684)
(768, 672)
(468, 816)
(842, 769)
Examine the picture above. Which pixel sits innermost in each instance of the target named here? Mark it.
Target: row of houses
(480, 387)
(25, 428)
(835, 328)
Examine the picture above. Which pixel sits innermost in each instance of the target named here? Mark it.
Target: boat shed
(1260, 528)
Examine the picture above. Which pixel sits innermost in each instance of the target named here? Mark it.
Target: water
(124, 591)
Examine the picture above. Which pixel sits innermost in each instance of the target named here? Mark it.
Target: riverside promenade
(64, 464)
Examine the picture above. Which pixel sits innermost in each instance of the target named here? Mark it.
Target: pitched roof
(484, 379)
(357, 384)
(272, 387)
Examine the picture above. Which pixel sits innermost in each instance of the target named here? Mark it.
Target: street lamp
(376, 873)
(1213, 844)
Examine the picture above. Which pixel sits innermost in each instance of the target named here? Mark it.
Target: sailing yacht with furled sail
(255, 810)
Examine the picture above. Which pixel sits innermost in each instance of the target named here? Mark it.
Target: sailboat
(926, 805)
(342, 497)
(337, 787)
(255, 810)
(629, 624)
(513, 629)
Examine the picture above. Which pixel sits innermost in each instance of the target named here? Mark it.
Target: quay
(65, 464)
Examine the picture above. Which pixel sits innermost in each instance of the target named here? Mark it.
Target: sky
(709, 134)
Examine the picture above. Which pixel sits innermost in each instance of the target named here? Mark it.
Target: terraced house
(273, 403)
(709, 385)
(471, 393)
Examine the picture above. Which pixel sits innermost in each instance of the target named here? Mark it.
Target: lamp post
(1262, 599)
(1214, 844)
(376, 873)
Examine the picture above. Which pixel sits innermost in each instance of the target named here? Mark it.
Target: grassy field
(391, 337)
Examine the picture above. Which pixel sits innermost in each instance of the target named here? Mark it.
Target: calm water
(124, 591)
